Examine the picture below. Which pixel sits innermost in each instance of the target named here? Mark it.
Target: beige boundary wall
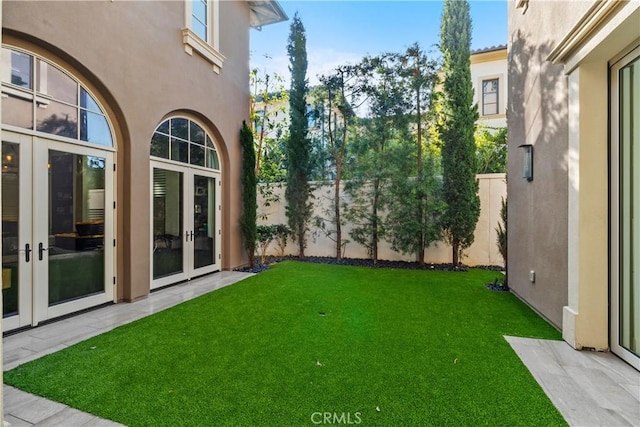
(484, 251)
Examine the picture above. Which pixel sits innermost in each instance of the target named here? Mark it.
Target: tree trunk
(421, 243)
(454, 247)
(262, 123)
(301, 240)
(374, 222)
(261, 140)
(420, 254)
(336, 202)
(419, 113)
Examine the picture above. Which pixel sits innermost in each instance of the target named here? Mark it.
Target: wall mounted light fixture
(527, 161)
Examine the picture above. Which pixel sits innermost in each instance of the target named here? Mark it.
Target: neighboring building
(490, 83)
(120, 148)
(574, 231)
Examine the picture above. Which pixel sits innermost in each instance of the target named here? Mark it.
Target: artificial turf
(365, 346)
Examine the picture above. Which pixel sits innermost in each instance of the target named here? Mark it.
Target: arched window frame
(177, 139)
(85, 105)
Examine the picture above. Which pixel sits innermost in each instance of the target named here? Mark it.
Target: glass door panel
(185, 227)
(204, 224)
(73, 268)
(10, 227)
(625, 209)
(76, 226)
(17, 249)
(168, 223)
(54, 260)
(629, 134)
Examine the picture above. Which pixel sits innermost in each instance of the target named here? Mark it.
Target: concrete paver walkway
(588, 388)
(24, 409)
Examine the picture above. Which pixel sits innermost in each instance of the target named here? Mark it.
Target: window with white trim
(42, 97)
(185, 141)
(490, 97)
(201, 31)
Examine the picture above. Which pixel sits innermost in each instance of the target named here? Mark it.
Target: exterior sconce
(527, 161)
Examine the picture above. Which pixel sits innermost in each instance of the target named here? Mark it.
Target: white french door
(56, 256)
(185, 228)
(625, 208)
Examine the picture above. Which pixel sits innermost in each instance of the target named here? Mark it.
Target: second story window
(489, 97)
(199, 19)
(201, 31)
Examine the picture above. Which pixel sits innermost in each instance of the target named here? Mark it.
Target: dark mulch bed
(498, 287)
(258, 268)
(361, 262)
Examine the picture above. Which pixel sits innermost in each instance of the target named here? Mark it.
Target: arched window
(41, 96)
(183, 140)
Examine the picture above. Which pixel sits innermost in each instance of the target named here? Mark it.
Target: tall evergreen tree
(298, 145)
(460, 186)
(249, 185)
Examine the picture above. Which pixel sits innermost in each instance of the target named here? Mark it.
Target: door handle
(27, 252)
(191, 235)
(41, 249)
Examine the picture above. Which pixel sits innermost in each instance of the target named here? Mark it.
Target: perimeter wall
(484, 251)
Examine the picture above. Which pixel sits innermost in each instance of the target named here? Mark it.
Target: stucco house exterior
(120, 148)
(574, 231)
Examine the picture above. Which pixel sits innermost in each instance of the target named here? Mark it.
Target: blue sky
(340, 32)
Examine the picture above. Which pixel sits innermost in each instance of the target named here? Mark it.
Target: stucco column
(585, 318)
(137, 219)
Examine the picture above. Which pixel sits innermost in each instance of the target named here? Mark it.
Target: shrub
(265, 234)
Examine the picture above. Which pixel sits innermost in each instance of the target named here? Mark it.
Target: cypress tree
(298, 144)
(249, 187)
(460, 187)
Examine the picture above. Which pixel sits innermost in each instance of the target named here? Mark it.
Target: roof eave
(265, 12)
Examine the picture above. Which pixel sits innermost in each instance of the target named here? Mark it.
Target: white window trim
(210, 50)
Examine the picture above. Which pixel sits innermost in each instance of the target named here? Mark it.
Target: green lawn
(394, 347)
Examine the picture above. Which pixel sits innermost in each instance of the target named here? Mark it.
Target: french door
(625, 208)
(185, 228)
(56, 256)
